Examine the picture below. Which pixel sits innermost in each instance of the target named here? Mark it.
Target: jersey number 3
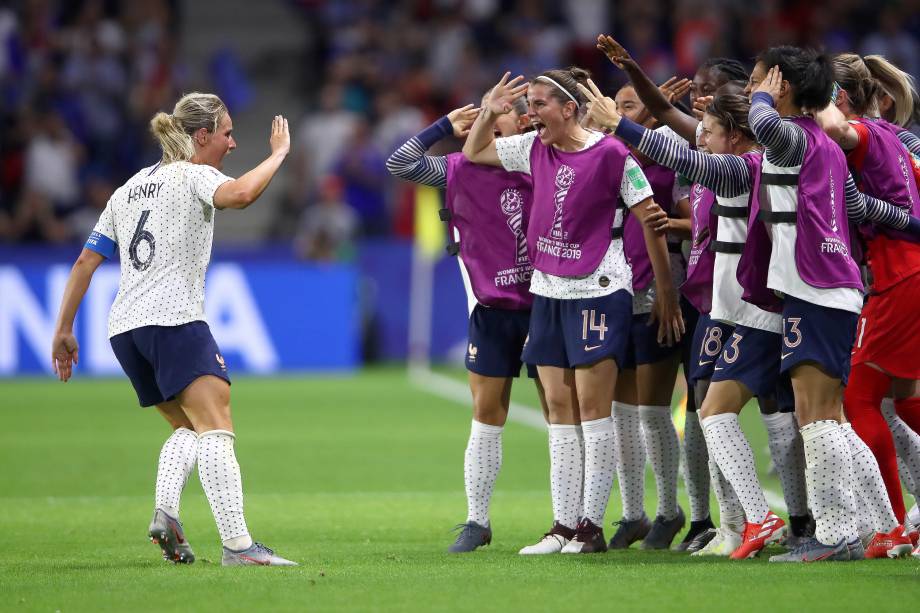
(141, 236)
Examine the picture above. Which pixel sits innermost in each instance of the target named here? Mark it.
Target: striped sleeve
(726, 175)
(409, 161)
(784, 141)
(863, 208)
(911, 141)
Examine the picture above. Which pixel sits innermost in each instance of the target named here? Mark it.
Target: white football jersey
(162, 223)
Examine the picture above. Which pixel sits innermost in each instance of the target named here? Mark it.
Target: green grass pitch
(359, 479)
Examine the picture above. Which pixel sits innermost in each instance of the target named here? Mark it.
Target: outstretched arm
(727, 175)
(64, 347)
(409, 161)
(240, 193)
(863, 208)
(652, 97)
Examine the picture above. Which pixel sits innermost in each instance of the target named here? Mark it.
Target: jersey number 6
(141, 235)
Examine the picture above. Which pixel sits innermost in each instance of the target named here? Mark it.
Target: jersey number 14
(141, 236)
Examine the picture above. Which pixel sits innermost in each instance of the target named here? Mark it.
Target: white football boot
(722, 544)
(552, 542)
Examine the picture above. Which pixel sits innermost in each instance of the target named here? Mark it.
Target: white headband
(564, 90)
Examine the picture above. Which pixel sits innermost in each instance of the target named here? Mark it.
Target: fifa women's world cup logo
(565, 176)
(512, 203)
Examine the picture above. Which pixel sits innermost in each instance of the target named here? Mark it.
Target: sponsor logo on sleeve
(637, 178)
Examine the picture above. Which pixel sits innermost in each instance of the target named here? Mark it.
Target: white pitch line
(451, 389)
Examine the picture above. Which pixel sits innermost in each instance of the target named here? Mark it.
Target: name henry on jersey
(145, 190)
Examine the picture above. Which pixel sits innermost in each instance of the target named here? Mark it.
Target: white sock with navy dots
(630, 448)
(663, 449)
(481, 463)
(177, 459)
(566, 473)
(829, 477)
(219, 474)
(868, 482)
(731, 513)
(907, 446)
(600, 462)
(696, 467)
(732, 452)
(789, 458)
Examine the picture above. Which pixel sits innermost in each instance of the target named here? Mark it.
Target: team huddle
(766, 239)
(763, 237)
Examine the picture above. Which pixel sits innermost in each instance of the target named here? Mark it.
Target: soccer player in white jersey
(582, 285)
(161, 223)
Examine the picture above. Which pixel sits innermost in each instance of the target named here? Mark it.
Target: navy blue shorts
(750, 356)
(708, 338)
(161, 361)
(643, 347)
(785, 397)
(691, 318)
(496, 339)
(570, 333)
(814, 333)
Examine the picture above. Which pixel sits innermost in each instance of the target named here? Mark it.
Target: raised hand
(280, 139)
(65, 352)
(462, 119)
(501, 98)
(699, 106)
(675, 88)
(614, 51)
(771, 84)
(602, 110)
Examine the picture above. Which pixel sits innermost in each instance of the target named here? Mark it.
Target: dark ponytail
(809, 73)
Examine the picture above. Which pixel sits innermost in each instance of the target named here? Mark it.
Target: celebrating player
(161, 223)
(749, 363)
(642, 397)
(582, 283)
(884, 168)
(487, 210)
(725, 131)
(807, 185)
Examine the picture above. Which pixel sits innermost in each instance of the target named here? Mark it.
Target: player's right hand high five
(240, 193)
(280, 139)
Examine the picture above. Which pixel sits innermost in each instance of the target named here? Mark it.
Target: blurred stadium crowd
(80, 79)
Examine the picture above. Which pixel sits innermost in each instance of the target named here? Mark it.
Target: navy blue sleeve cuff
(101, 244)
(762, 97)
(630, 131)
(913, 227)
(435, 132)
